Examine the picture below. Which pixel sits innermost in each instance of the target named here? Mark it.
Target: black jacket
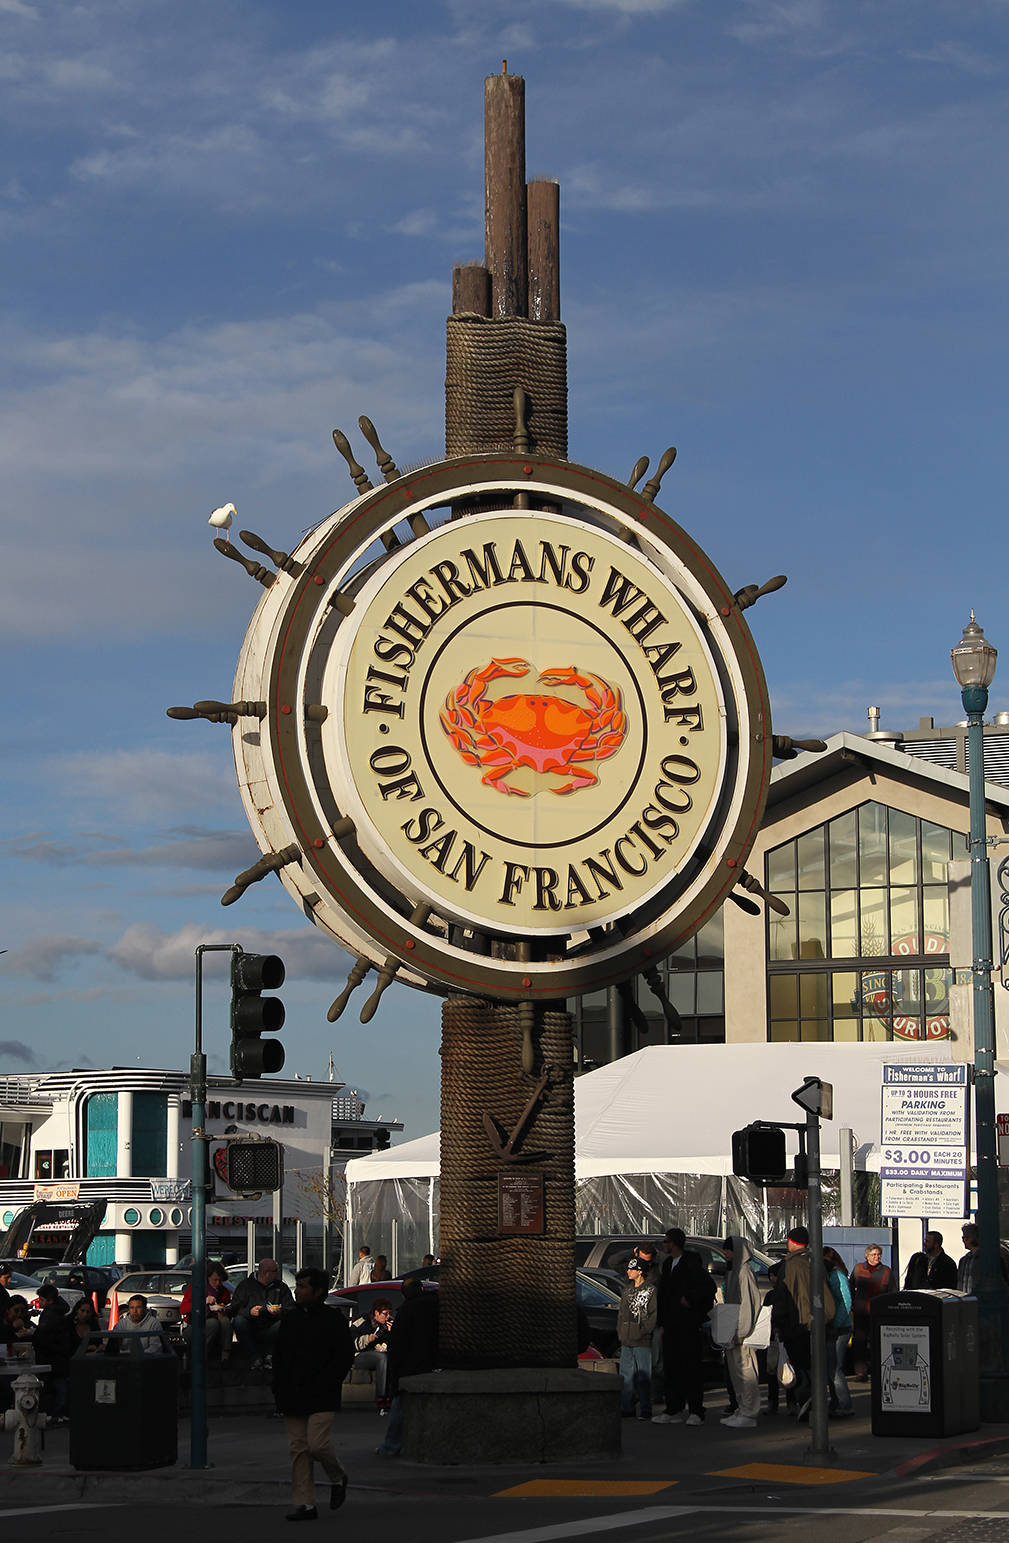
(52, 1341)
(252, 1293)
(311, 1357)
(687, 1282)
(934, 1274)
(413, 1340)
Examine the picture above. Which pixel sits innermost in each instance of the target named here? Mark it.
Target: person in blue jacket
(838, 1334)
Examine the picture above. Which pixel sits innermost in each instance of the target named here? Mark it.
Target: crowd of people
(665, 1312)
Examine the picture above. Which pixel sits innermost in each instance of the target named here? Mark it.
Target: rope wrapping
(485, 359)
(505, 1301)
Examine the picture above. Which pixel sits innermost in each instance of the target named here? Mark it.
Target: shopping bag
(772, 1358)
(724, 1321)
(759, 1337)
(786, 1371)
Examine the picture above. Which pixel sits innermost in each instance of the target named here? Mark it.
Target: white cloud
(146, 951)
(149, 784)
(43, 958)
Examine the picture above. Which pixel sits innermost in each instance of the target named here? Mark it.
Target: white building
(125, 1136)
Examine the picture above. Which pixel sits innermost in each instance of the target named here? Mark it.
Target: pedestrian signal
(254, 1167)
(758, 1153)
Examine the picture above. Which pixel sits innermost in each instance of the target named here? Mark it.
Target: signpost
(924, 1135)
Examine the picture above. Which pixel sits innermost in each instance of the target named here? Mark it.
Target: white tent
(673, 1108)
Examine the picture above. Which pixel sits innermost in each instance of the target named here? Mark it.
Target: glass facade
(100, 1114)
(150, 1135)
(864, 951)
(693, 979)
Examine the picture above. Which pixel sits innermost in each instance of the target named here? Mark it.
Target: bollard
(26, 1421)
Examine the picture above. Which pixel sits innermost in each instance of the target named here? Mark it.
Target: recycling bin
(924, 1363)
(124, 1407)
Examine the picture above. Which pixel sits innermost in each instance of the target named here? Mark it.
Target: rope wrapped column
(505, 1300)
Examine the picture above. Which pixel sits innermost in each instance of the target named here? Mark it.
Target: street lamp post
(974, 666)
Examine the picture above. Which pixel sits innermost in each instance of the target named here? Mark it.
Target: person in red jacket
(868, 1280)
(218, 1322)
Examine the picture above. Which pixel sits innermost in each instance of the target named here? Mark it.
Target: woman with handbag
(742, 1293)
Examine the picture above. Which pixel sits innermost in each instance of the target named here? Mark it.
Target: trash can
(924, 1363)
(124, 1407)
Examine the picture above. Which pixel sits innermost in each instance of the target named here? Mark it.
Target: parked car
(598, 1300)
(613, 1252)
(87, 1280)
(163, 1289)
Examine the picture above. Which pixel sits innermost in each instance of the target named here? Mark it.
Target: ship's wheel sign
(543, 720)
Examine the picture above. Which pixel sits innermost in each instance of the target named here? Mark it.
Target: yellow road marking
(568, 1488)
(784, 1473)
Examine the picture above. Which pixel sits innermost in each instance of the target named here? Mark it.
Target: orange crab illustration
(546, 733)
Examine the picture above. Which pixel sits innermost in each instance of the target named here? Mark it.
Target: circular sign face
(528, 727)
(507, 729)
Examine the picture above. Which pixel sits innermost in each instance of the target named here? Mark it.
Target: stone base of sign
(512, 1415)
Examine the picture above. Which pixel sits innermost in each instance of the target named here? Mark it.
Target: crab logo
(546, 733)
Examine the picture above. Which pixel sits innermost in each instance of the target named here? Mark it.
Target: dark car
(599, 1302)
(89, 1280)
(613, 1252)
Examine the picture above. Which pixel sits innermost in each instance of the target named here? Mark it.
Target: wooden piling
(506, 255)
(543, 200)
(470, 290)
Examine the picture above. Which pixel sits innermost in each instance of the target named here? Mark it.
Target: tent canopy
(673, 1108)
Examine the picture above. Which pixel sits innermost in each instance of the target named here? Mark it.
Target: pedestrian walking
(360, 1275)
(932, 1269)
(311, 1357)
(792, 1312)
(413, 1348)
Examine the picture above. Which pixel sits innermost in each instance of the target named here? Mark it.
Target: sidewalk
(249, 1463)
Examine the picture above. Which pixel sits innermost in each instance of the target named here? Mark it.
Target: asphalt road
(956, 1507)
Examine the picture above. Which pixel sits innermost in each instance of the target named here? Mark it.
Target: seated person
(84, 1321)
(371, 1341)
(218, 1299)
(20, 1330)
(256, 1310)
(141, 1319)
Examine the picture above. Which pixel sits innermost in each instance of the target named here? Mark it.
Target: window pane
(873, 929)
(781, 868)
(709, 992)
(681, 992)
(812, 925)
(904, 921)
(934, 852)
(814, 1028)
(781, 934)
(843, 924)
(710, 943)
(872, 843)
(903, 848)
(684, 954)
(809, 856)
(784, 1031)
(936, 919)
(783, 996)
(877, 1005)
(846, 1004)
(813, 996)
(841, 834)
(937, 984)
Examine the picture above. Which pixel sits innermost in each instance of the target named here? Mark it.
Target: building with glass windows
(865, 843)
(124, 1136)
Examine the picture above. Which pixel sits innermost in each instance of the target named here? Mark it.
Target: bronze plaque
(520, 1202)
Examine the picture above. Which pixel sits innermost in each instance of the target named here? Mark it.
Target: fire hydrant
(26, 1420)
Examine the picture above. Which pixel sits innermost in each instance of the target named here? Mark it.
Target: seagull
(221, 518)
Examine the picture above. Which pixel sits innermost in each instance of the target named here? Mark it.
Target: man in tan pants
(311, 1358)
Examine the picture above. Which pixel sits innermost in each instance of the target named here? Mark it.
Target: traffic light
(758, 1153)
(254, 1167)
(253, 1015)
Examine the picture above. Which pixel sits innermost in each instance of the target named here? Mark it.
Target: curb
(948, 1456)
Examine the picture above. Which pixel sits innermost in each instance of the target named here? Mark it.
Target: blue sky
(227, 229)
